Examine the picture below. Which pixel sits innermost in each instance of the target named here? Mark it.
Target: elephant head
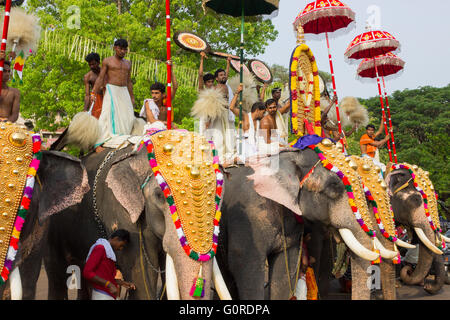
(309, 185)
(180, 189)
(409, 186)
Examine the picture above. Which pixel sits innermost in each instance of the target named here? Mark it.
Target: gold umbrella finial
(300, 34)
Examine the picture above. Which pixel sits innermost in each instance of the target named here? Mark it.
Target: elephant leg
(325, 267)
(30, 269)
(388, 280)
(55, 267)
(278, 275)
(248, 271)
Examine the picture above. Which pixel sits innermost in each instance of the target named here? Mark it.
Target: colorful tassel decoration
(397, 259)
(198, 287)
(378, 260)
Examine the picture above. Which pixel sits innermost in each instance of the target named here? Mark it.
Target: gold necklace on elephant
(186, 167)
(423, 184)
(20, 157)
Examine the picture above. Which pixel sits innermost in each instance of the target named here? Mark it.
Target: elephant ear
(125, 179)
(62, 180)
(275, 178)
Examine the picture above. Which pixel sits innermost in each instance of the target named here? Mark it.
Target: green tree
(421, 120)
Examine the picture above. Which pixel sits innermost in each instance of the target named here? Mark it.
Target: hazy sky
(422, 27)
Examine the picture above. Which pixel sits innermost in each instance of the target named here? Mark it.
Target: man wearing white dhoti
(250, 126)
(117, 114)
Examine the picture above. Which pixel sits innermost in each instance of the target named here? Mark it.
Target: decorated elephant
(258, 214)
(37, 185)
(414, 204)
(130, 194)
(382, 221)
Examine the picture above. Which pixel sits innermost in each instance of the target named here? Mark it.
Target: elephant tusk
(219, 283)
(427, 241)
(356, 246)
(446, 239)
(404, 244)
(173, 293)
(15, 283)
(385, 253)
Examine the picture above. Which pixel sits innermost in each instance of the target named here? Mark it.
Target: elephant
(408, 207)
(125, 194)
(62, 182)
(262, 202)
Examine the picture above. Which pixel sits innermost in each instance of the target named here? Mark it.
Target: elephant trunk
(440, 275)
(421, 270)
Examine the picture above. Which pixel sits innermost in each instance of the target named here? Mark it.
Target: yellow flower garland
(295, 91)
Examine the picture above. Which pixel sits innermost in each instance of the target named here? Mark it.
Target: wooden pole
(4, 37)
(169, 69)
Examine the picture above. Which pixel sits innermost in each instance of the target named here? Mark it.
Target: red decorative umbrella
(387, 64)
(370, 45)
(325, 16)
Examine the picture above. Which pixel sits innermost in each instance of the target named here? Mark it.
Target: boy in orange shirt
(367, 142)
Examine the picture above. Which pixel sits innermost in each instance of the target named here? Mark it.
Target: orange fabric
(312, 293)
(97, 108)
(366, 140)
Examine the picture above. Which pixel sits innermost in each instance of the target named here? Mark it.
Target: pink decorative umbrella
(325, 16)
(370, 45)
(387, 64)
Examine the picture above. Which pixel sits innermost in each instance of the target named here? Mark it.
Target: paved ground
(403, 293)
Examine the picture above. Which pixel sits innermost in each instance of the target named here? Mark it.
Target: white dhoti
(98, 295)
(223, 136)
(282, 121)
(117, 113)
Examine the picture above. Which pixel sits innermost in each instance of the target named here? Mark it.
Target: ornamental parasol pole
(382, 110)
(241, 76)
(169, 69)
(390, 122)
(342, 140)
(4, 37)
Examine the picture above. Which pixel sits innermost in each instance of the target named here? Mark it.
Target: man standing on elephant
(117, 115)
(100, 268)
(95, 108)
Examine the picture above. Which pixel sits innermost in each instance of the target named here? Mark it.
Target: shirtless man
(93, 60)
(155, 109)
(10, 97)
(117, 115)
(221, 77)
(269, 123)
